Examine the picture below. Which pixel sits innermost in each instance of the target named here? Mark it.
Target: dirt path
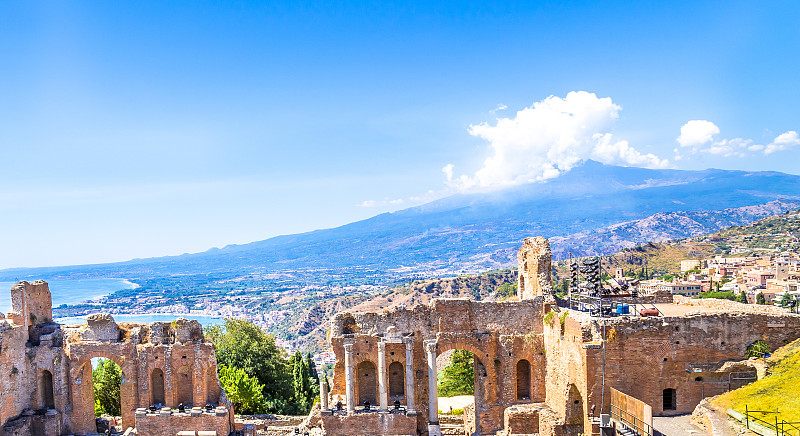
(676, 426)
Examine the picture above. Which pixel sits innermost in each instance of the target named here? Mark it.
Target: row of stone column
(433, 394)
(382, 382)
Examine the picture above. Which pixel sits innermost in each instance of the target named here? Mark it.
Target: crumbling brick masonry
(46, 371)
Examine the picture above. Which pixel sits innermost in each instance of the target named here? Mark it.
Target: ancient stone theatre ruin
(539, 368)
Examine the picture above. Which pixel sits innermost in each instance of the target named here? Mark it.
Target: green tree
(457, 378)
(244, 391)
(760, 299)
(313, 375)
(757, 349)
(302, 396)
(507, 290)
(742, 297)
(242, 344)
(106, 380)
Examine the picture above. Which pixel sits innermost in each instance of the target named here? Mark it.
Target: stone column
(323, 393)
(410, 376)
(348, 378)
(433, 392)
(384, 397)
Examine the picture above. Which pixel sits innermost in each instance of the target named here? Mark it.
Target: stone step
(451, 419)
(452, 429)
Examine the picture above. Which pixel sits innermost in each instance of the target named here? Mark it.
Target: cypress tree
(301, 382)
(313, 376)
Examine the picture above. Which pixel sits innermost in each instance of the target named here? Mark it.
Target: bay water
(80, 290)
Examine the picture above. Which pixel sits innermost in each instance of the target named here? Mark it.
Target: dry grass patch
(780, 390)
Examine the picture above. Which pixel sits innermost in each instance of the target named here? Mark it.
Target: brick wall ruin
(46, 371)
(541, 366)
(534, 268)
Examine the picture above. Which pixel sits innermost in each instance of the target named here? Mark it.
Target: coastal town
(764, 279)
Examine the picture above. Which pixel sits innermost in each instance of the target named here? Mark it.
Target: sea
(205, 321)
(80, 290)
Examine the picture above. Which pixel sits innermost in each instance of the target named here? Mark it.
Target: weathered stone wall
(15, 376)
(370, 424)
(644, 356)
(534, 260)
(169, 423)
(446, 315)
(32, 300)
(46, 373)
(566, 386)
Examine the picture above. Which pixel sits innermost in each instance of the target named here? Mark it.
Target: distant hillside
(311, 324)
(663, 226)
(594, 208)
(781, 231)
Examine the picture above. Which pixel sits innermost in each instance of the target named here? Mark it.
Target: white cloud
(784, 141)
(500, 107)
(620, 152)
(448, 171)
(699, 136)
(697, 133)
(549, 138)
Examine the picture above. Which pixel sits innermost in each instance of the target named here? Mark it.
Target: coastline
(72, 291)
(131, 284)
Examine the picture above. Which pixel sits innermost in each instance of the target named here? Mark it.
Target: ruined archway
(523, 380)
(157, 392)
(396, 382)
(367, 383)
(479, 376)
(84, 393)
(82, 417)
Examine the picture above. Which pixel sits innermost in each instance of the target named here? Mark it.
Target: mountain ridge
(451, 233)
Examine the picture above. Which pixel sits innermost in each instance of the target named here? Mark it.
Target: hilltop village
(542, 365)
(762, 279)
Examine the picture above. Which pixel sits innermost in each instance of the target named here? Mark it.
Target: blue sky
(153, 128)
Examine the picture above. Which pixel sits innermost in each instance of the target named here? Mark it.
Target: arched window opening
(185, 386)
(396, 381)
(157, 397)
(46, 397)
(523, 380)
(367, 383)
